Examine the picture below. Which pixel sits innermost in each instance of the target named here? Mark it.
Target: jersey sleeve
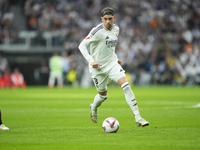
(90, 38)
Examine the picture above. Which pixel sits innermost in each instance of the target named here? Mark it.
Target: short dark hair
(107, 11)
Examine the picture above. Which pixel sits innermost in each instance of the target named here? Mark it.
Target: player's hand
(95, 65)
(119, 62)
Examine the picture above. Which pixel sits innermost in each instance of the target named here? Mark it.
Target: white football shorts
(114, 74)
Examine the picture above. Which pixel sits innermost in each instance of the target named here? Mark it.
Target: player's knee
(103, 93)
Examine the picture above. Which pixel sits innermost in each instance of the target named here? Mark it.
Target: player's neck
(107, 28)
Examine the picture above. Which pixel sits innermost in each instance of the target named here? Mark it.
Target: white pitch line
(196, 106)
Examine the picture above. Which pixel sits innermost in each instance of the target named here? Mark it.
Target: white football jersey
(102, 44)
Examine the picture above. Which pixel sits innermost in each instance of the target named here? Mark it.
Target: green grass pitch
(40, 118)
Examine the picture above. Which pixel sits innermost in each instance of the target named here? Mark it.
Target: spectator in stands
(18, 78)
(44, 72)
(3, 64)
(6, 81)
(146, 26)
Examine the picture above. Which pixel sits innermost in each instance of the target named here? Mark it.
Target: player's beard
(109, 26)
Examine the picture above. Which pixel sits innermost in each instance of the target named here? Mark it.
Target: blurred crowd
(10, 78)
(6, 18)
(159, 41)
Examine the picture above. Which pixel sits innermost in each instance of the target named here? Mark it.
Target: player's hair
(107, 11)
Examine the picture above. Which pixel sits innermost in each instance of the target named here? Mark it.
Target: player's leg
(117, 74)
(130, 97)
(99, 98)
(131, 100)
(2, 126)
(52, 79)
(60, 80)
(121, 80)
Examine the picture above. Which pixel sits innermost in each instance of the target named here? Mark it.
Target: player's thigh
(116, 73)
(100, 82)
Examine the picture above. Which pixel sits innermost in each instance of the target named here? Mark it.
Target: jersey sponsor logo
(111, 43)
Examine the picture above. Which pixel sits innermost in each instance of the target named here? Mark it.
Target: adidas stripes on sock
(98, 100)
(130, 99)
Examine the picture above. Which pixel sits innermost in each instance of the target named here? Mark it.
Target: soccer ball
(110, 125)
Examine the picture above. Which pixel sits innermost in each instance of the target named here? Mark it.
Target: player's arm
(119, 61)
(83, 49)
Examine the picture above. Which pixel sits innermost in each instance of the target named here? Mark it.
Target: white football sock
(130, 98)
(98, 100)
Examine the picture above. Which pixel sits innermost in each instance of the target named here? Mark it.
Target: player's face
(108, 21)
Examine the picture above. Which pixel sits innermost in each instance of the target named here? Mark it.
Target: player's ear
(101, 18)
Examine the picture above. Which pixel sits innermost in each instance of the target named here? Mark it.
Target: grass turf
(40, 118)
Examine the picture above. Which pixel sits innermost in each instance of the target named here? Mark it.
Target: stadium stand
(159, 40)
